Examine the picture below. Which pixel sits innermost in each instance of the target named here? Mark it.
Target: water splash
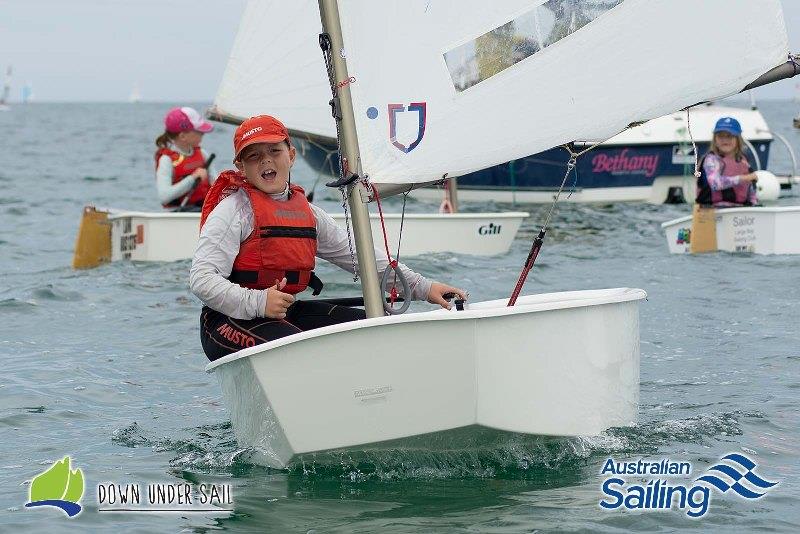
(481, 453)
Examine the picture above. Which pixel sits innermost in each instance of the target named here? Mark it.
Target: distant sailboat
(135, 96)
(6, 90)
(27, 93)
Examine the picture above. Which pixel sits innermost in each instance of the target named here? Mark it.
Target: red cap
(258, 129)
(186, 119)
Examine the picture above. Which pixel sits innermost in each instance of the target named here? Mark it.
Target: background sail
(581, 70)
(276, 67)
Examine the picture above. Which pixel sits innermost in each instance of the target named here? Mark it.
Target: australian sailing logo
(734, 472)
(58, 486)
(394, 109)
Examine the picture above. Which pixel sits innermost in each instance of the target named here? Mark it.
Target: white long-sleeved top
(167, 191)
(230, 223)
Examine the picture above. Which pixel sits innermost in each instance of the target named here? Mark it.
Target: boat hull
(142, 236)
(561, 364)
(772, 230)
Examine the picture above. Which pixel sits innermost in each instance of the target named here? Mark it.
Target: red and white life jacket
(183, 166)
(283, 242)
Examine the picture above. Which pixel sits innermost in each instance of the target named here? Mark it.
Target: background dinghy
(111, 235)
(759, 230)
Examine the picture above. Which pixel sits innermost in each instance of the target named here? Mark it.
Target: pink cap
(185, 120)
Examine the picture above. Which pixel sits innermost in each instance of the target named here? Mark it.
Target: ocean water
(105, 365)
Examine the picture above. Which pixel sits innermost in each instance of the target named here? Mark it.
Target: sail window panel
(508, 44)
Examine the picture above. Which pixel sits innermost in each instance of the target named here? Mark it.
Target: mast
(348, 143)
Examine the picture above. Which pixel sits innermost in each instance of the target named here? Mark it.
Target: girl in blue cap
(726, 178)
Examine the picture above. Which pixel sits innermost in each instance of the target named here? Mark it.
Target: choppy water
(106, 365)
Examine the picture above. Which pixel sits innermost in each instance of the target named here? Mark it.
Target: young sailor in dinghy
(258, 240)
(726, 178)
(181, 163)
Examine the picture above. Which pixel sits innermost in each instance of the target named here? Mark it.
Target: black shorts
(221, 335)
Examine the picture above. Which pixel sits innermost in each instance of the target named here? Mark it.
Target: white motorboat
(757, 230)
(169, 236)
(555, 364)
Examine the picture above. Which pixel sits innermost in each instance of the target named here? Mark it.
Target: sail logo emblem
(59, 486)
(417, 128)
(736, 477)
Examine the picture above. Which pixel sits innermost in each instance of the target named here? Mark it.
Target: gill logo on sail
(394, 109)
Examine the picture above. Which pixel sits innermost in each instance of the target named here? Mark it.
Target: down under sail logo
(412, 131)
(59, 486)
(653, 487)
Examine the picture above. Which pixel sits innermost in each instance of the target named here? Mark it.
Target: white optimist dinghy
(112, 235)
(758, 230)
(512, 365)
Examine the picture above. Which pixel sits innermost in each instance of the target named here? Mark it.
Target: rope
(446, 206)
(343, 190)
(383, 226)
(694, 145)
(400, 235)
(573, 160)
(325, 45)
(539, 240)
(793, 60)
(402, 220)
(392, 263)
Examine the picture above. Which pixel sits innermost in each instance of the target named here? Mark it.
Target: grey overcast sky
(171, 50)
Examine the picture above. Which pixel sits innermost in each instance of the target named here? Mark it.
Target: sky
(170, 50)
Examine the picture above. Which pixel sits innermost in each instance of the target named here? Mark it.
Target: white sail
(136, 95)
(276, 67)
(435, 94)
